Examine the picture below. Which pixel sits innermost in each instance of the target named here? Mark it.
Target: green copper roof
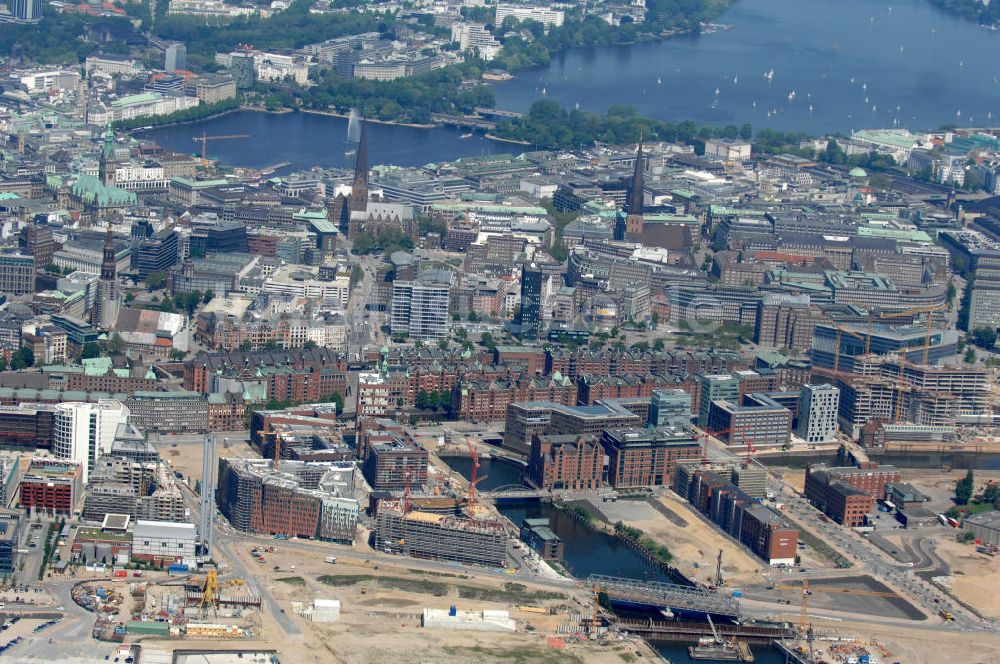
(91, 190)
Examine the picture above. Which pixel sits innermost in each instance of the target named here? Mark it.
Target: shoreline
(213, 116)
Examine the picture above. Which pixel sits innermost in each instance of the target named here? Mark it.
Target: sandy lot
(186, 457)
(697, 542)
(914, 645)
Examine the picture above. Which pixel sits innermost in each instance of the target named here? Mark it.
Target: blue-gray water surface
(802, 65)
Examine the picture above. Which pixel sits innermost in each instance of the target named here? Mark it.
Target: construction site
(189, 606)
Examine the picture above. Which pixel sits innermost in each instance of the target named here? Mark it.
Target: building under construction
(440, 537)
(299, 499)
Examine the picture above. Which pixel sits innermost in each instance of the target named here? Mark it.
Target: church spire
(359, 188)
(635, 188)
(108, 265)
(106, 162)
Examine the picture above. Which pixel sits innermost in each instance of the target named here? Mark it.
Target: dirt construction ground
(381, 609)
(695, 542)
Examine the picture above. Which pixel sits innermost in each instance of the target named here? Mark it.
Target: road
(867, 558)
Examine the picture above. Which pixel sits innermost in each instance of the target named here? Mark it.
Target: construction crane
(406, 492)
(210, 589)
(205, 138)
(472, 476)
(473, 480)
(705, 435)
(836, 353)
(929, 311)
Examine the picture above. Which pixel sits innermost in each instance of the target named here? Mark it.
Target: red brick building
(646, 457)
(485, 402)
(847, 494)
(51, 486)
(566, 462)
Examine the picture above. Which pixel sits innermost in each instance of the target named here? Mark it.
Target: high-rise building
(241, 66)
(528, 319)
(17, 274)
(670, 409)
(36, 240)
(420, 306)
(158, 253)
(108, 299)
(26, 11)
(714, 387)
(85, 431)
(176, 57)
(818, 409)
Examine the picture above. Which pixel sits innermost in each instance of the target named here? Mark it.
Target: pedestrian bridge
(514, 491)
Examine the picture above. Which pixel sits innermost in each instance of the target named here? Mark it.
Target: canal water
(677, 653)
(585, 551)
(832, 66)
(494, 472)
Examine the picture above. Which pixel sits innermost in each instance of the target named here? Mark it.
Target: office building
(10, 536)
(528, 320)
(176, 57)
(51, 486)
(173, 412)
(85, 431)
(298, 499)
(544, 15)
(420, 306)
(25, 11)
(784, 321)
(646, 457)
(819, 406)
(884, 339)
(158, 253)
(395, 464)
(527, 419)
(17, 274)
(670, 409)
(715, 387)
(759, 422)
(847, 494)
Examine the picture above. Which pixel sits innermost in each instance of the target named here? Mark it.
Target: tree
(156, 280)
(443, 344)
(970, 356)
(209, 296)
(310, 345)
(991, 494)
(116, 345)
(984, 337)
(486, 340)
(22, 358)
(90, 350)
(963, 489)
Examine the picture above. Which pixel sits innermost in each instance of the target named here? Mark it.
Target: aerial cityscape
(499, 331)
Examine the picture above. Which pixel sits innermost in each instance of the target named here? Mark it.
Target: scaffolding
(439, 537)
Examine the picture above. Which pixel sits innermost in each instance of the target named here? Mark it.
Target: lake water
(306, 140)
(930, 64)
(850, 64)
